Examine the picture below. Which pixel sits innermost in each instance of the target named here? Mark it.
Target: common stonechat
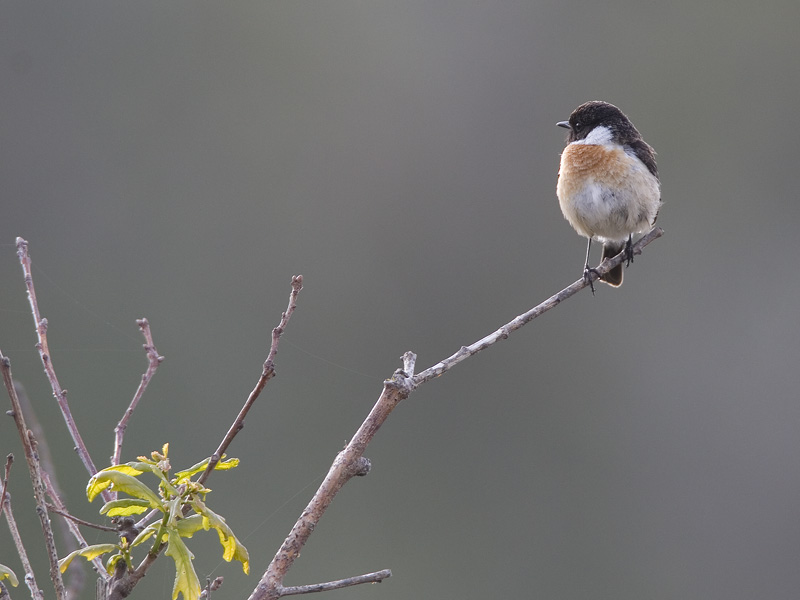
(608, 185)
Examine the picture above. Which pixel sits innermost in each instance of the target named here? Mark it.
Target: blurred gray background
(181, 161)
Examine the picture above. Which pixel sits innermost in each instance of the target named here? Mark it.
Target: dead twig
(70, 533)
(122, 587)
(35, 471)
(5, 504)
(212, 585)
(349, 462)
(466, 351)
(74, 519)
(6, 471)
(47, 361)
(153, 361)
(267, 373)
(376, 577)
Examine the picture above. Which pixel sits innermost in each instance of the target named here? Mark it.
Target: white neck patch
(599, 136)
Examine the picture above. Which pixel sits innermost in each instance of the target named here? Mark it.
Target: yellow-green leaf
(227, 465)
(188, 526)
(122, 482)
(124, 508)
(138, 467)
(145, 534)
(170, 489)
(131, 468)
(89, 553)
(7, 573)
(223, 465)
(232, 547)
(186, 581)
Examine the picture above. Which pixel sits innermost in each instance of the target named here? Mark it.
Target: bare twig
(74, 519)
(34, 469)
(122, 587)
(5, 504)
(153, 361)
(44, 353)
(525, 318)
(212, 585)
(71, 535)
(4, 595)
(6, 471)
(267, 373)
(71, 523)
(338, 584)
(147, 519)
(349, 461)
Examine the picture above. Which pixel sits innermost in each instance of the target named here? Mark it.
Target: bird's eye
(578, 125)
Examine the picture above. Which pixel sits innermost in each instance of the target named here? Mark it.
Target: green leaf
(190, 525)
(170, 489)
(132, 468)
(6, 573)
(186, 581)
(137, 468)
(223, 465)
(227, 465)
(145, 534)
(232, 547)
(122, 482)
(124, 508)
(174, 510)
(89, 553)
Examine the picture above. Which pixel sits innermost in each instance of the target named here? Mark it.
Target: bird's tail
(614, 276)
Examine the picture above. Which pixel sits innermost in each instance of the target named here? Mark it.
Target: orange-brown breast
(582, 161)
(589, 169)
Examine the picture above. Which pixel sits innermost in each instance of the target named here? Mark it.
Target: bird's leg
(587, 270)
(629, 251)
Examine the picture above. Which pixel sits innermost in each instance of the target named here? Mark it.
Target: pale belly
(624, 200)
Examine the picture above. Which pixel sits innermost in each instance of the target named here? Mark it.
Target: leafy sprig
(181, 502)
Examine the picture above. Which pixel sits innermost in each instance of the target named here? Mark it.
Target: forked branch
(350, 461)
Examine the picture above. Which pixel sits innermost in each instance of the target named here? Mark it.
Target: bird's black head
(595, 113)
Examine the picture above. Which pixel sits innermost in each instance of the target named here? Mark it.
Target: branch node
(400, 381)
(211, 586)
(361, 467)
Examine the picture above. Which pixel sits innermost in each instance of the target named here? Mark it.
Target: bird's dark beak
(564, 124)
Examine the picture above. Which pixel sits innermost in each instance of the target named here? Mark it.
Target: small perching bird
(608, 186)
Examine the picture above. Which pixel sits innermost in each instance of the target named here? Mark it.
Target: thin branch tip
(267, 373)
(376, 577)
